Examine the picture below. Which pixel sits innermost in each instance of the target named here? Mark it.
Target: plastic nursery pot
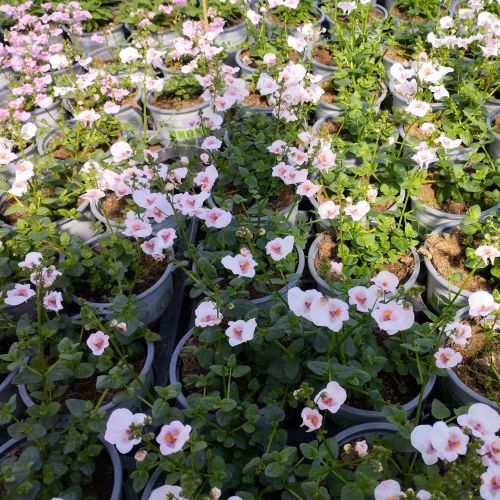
(7, 389)
(175, 368)
(401, 102)
(111, 39)
(163, 36)
(388, 63)
(232, 38)
(322, 285)
(348, 416)
(494, 147)
(6, 76)
(325, 109)
(429, 218)
(362, 430)
(245, 70)
(379, 8)
(439, 290)
(153, 483)
(13, 445)
(146, 375)
(458, 393)
(274, 28)
(46, 118)
(175, 122)
(149, 304)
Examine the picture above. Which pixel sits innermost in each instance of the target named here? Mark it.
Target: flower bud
(140, 455)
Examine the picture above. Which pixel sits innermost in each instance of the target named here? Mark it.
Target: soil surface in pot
(374, 14)
(381, 206)
(401, 14)
(174, 102)
(496, 124)
(323, 56)
(60, 152)
(330, 95)
(276, 203)
(101, 486)
(446, 251)
(327, 251)
(427, 195)
(255, 100)
(398, 53)
(477, 369)
(113, 207)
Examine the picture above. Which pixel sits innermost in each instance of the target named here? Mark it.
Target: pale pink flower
(241, 265)
(167, 492)
(277, 147)
(31, 260)
(215, 217)
(300, 302)
(312, 419)
(111, 108)
(364, 298)
(253, 17)
(423, 495)
(490, 451)
(165, 239)
(386, 281)
(487, 252)
(308, 188)
(97, 342)
(331, 398)
(190, 204)
(388, 490)
(358, 211)
(446, 357)
(459, 333)
(279, 248)
(346, 7)
(241, 331)
(336, 267)
(439, 92)
(211, 143)
(328, 210)
(330, 313)
(418, 108)
(52, 301)
(266, 85)
(361, 448)
(481, 420)
(421, 440)
(19, 294)
(269, 58)
(120, 151)
(481, 304)
(207, 314)
(325, 159)
(45, 277)
(136, 228)
(173, 437)
(490, 483)
(450, 442)
(393, 317)
(87, 117)
(206, 178)
(128, 55)
(122, 429)
(93, 194)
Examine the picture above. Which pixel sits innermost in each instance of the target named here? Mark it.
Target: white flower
(121, 429)
(459, 333)
(358, 211)
(87, 117)
(240, 331)
(173, 437)
(446, 357)
(481, 420)
(330, 313)
(418, 108)
(331, 398)
(487, 252)
(312, 419)
(481, 304)
(207, 314)
(364, 298)
(241, 265)
(97, 342)
(211, 143)
(393, 317)
(300, 302)
(31, 260)
(28, 131)
(279, 248)
(328, 210)
(19, 294)
(167, 492)
(386, 281)
(128, 55)
(121, 150)
(388, 490)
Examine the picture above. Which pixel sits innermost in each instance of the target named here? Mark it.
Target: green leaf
(439, 410)
(274, 469)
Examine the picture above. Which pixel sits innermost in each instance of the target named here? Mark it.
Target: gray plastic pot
(325, 109)
(6, 76)
(439, 290)
(164, 37)
(232, 38)
(175, 122)
(151, 303)
(84, 41)
(322, 285)
(48, 118)
(324, 70)
(245, 70)
(347, 416)
(401, 102)
(12, 445)
(385, 14)
(429, 218)
(494, 147)
(362, 430)
(272, 29)
(388, 63)
(491, 104)
(151, 484)
(146, 375)
(459, 393)
(174, 369)
(7, 389)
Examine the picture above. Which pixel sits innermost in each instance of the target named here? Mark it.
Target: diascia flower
(487, 252)
(446, 357)
(18, 295)
(450, 442)
(331, 398)
(490, 483)
(52, 301)
(312, 419)
(481, 420)
(279, 248)
(215, 217)
(330, 313)
(459, 333)
(421, 440)
(386, 282)
(418, 108)
(173, 437)
(167, 492)
(388, 490)
(241, 331)
(481, 304)
(207, 314)
(123, 429)
(393, 317)
(328, 210)
(364, 298)
(241, 265)
(31, 260)
(300, 302)
(97, 342)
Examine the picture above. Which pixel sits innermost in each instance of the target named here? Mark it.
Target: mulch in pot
(427, 195)
(173, 102)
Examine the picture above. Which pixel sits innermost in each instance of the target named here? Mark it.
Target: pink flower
(87, 117)
(325, 158)
(97, 342)
(165, 239)
(447, 358)
(361, 448)
(45, 277)
(481, 420)
(393, 317)
(173, 437)
(364, 298)
(328, 210)
(269, 58)
(31, 260)
(490, 451)
(421, 440)
(53, 301)
(418, 108)
(448, 441)
(120, 151)
(215, 217)
(388, 490)
(300, 302)
(336, 267)
(266, 85)
(358, 211)
(128, 55)
(206, 179)
(111, 108)
(93, 194)
(123, 429)
(211, 143)
(330, 313)
(189, 204)
(487, 252)
(331, 398)
(459, 333)
(312, 419)
(19, 295)
(481, 304)
(207, 314)
(307, 188)
(277, 147)
(490, 483)
(279, 248)
(386, 282)
(136, 228)
(241, 331)
(241, 265)
(166, 492)
(253, 17)
(44, 101)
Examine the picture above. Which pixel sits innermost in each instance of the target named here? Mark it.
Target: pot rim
(173, 111)
(489, 121)
(377, 103)
(369, 428)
